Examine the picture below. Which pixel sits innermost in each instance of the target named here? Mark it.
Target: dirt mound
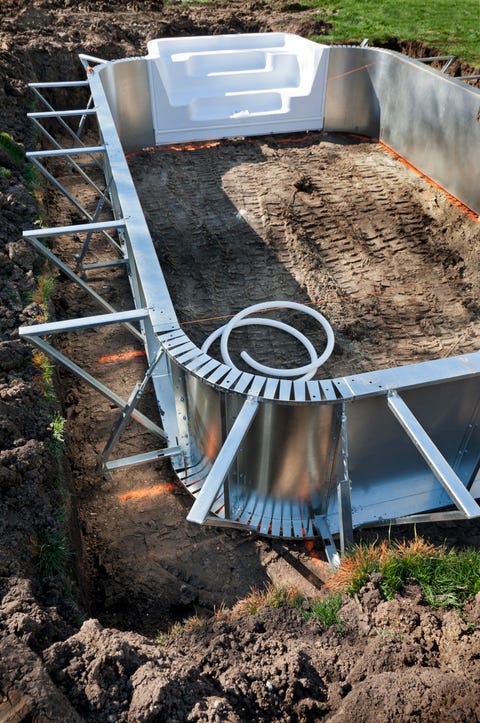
(398, 658)
(143, 567)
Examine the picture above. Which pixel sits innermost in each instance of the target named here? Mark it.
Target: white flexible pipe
(307, 371)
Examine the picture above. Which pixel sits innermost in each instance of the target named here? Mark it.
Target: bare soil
(83, 648)
(328, 220)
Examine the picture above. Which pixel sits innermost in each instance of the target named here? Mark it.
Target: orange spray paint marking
(432, 183)
(350, 72)
(147, 492)
(121, 356)
(177, 147)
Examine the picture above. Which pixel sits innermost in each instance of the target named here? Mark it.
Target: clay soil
(242, 222)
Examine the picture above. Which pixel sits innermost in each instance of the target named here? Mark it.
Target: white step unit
(235, 85)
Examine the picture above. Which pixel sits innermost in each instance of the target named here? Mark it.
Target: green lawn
(452, 27)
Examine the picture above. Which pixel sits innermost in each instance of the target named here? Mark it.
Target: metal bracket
(447, 61)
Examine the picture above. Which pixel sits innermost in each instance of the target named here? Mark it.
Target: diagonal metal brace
(220, 468)
(127, 412)
(74, 277)
(34, 337)
(71, 161)
(452, 484)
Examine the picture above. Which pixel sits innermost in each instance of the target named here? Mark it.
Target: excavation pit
(335, 219)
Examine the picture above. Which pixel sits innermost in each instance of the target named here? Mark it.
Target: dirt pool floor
(82, 645)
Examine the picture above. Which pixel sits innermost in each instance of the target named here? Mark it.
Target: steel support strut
(122, 422)
(34, 334)
(344, 492)
(220, 468)
(452, 484)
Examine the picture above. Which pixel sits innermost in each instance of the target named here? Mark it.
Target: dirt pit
(328, 221)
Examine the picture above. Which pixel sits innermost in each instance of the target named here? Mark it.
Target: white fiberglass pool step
(209, 87)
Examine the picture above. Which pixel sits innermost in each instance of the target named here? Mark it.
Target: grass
(272, 596)
(15, 151)
(447, 577)
(45, 366)
(50, 551)
(325, 610)
(57, 426)
(44, 292)
(453, 28)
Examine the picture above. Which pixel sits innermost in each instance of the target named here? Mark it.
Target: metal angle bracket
(328, 542)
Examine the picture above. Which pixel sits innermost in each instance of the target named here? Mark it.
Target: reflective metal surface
(429, 118)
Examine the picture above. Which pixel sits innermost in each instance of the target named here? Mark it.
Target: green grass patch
(453, 28)
(34, 181)
(44, 292)
(57, 426)
(50, 551)
(447, 577)
(325, 610)
(15, 151)
(45, 366)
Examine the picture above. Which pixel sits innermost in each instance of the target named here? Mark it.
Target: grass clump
(194, 623)
(15, 151)
(45, 366)
(50, 551)
(272, 596)
(57, 443)
(44, 292)
(325, 610)
(447, 577)
(43, 296)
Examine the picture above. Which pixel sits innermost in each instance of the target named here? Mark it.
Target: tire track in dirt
(333, 221)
